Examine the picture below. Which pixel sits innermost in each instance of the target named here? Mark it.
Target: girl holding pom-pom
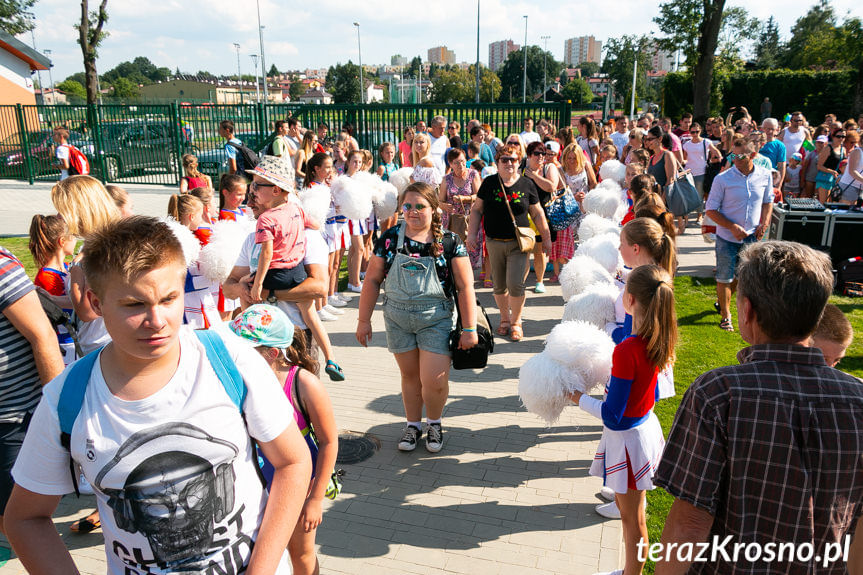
(631, 444)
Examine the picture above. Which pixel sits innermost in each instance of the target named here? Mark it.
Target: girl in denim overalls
(422, 268)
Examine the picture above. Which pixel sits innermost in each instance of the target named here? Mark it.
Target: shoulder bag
(458, 223)
(681, 195)
(523, 235)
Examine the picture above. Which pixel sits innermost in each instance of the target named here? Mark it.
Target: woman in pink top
(405, 147)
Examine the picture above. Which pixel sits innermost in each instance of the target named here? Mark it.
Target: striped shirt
(20, 388)
(773, 449)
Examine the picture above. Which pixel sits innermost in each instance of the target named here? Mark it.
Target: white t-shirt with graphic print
(174, 474)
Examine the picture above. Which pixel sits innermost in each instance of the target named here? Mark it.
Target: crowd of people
(195, 335)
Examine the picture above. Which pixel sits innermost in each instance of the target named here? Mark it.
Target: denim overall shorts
(417, 313)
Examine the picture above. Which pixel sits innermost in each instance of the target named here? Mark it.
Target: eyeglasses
(508, 160)
(410, 207)
(838, 135)
(733, 156)
(647, 139)
(537, 154)
(255, 185)
(452, 127)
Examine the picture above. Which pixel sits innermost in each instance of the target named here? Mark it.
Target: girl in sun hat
(271, 333)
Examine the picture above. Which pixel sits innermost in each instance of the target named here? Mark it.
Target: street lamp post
(50, 79)
(360, 51)
(634, 75)
(524, 81)
(261, 42)
(477, 52)
(544, 58)
(239, 77)
(33, 37)
(254, 58)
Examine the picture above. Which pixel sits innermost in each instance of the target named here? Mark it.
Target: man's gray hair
(439, 120)
(788, 285)
(772, 121)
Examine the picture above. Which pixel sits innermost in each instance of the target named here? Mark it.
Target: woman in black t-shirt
(508, 264)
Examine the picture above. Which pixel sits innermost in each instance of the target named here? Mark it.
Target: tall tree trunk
(708, 39)
(857, 104)
(89, 36)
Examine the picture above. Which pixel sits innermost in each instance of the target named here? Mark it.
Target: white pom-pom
(580, 272)
(401, 179)
(316, 202)
(385, 200)
(353, 199)
(543, 385)
(606, 201)
(605, 250)
(584, 348)
(613, 170)
(595, 305)
(190, 244)
(593, 225)
(218, 257)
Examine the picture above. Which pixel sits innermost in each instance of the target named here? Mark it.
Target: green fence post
(25, 145)
(177, 137)
(94, 121)
(263, 132)
(566, 114)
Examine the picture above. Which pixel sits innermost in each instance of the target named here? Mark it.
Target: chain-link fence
(144, 144)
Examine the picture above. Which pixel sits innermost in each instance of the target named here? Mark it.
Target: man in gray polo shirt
(740, 202)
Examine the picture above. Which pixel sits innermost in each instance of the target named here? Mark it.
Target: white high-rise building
(582, 49)
(661, 61)
(498, 52)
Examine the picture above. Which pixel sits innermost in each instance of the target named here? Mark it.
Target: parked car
(41, 151)
(138, 145)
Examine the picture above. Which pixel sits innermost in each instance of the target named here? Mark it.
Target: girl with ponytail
(632, 442)
(422, 267)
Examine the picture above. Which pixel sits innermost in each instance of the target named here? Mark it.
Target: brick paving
(505, 495)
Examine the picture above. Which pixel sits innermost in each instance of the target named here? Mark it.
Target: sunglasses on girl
(508, 160)
(410, 207)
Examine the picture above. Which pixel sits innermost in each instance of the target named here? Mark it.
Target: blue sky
(199, 35)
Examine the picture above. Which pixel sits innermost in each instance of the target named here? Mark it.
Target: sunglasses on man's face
(733, 156)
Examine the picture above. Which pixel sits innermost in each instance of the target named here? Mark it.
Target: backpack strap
(71, 400)
(226, 370)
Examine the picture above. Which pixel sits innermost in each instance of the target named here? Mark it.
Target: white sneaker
(345, 297)
(607, 493)
(355, 289)
(608, 510)
(336, 302)
(333, 310)
(326, 316)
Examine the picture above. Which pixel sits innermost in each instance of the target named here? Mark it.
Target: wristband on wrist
(469, 328)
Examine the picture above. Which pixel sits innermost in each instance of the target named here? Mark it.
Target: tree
(72, 88)
(453, 86)
(578, 92)
(836, 47)
(434, 70)
(297, 88)
(588, 69)
(620, 55)
(90, 35)
(564, 78)
(125, 89)
(414, 67)
(343, 82)
(767, 47)
(736, 28)
(512, 70)
(15, 17)
(489, 84)
(140, 71)
(273, 71)
(695, 25)
(819, 21)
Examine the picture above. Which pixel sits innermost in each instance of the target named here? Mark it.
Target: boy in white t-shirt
(61, 151)
(158, 437)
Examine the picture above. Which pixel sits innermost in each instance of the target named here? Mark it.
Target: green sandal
(334, 371)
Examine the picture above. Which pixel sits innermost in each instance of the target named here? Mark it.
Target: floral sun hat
(262, 325)
(277, 171)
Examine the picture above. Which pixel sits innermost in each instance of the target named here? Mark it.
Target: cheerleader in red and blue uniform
(631, 444)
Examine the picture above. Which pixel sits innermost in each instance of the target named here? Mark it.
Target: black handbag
(477, 356)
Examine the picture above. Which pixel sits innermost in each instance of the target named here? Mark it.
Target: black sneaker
(409, 438)
(434, 438)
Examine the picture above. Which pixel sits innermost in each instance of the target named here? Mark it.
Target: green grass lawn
(702, 346)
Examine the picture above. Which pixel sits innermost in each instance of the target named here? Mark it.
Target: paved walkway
(506, 494)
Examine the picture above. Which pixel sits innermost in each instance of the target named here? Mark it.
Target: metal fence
(145, 143)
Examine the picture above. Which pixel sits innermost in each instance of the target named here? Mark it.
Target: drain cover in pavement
(355, 447)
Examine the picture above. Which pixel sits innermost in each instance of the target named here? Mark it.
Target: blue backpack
(75, 386)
